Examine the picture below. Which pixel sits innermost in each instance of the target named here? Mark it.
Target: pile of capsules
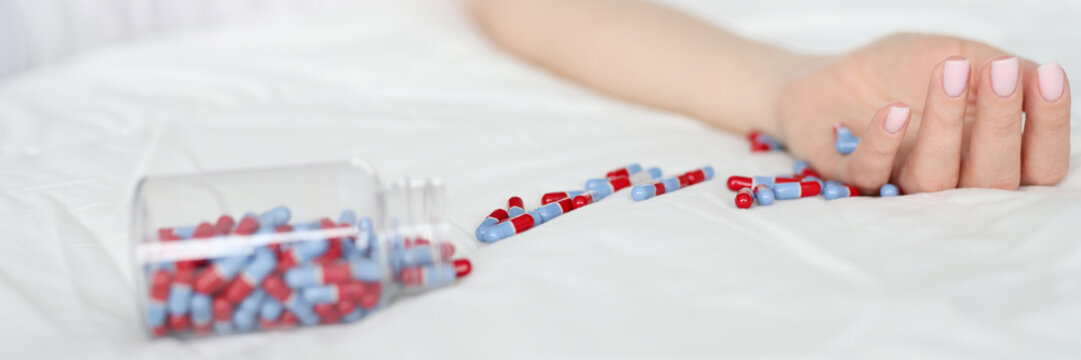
(804, 181)
(318, 276)
(647, 184)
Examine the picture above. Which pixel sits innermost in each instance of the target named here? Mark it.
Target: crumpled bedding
(414, 88)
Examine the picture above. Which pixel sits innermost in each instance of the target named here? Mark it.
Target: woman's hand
(933, 113)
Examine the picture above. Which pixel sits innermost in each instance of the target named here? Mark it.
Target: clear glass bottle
(276, 248)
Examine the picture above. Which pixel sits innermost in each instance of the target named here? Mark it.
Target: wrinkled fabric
(412, 87)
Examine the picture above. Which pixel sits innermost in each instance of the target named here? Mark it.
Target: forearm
(648, 54)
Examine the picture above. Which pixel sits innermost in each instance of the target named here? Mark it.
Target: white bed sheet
(412, 87)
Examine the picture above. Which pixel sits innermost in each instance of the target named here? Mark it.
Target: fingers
(994, 153)
(935, 160)
(1045, 150)
(870, 165)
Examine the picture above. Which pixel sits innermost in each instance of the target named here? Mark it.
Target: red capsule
(744, 199)
(515, 201)
(247, 226)
(160, 284)
(462, 267)
(223, 310)
(328, 313)
(582, 200)
(179, 323)
(553, 197)
(224, 225)
(276, 288)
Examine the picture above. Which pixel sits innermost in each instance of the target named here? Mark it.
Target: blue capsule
(155, 314)
(800, 166)
(353, 316)
(644, 191)
(510, 227)
(271, 309)
(348, 217)
(303, 310)
(320, 294)
(201, 309)
(846, 146)
(179, 298)
(275, 217)
(555, 209)
(654, 173)
(763, 195)
(837, 191)
(262, 264)
(888, 190)
(245, 312)
(184, 232)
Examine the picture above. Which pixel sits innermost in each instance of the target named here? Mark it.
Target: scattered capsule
(515, 206)
(651, 189)
(513, 226)
(495, 217)
(744, 199)
(739, 182)
(603, 187)
(888, 190)
(837, 191)
(763, 194)
(559, 195)
(624, 171)
(554, 210)
(585, 198)
(786, 191)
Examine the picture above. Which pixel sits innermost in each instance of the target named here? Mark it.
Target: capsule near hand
(744, 199)
(786, 191)
(888, 190)
(837, 191)
(739, 182)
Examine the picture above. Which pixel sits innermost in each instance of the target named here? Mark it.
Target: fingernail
(1052, 79)
(1004, 76)
(955, 77)
(896, 119)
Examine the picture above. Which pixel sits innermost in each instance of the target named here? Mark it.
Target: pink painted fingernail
(896, 119)
(955, 77)
(1052, 79)
(1004, 76)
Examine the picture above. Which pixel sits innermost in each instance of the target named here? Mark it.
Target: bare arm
(648, 54)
